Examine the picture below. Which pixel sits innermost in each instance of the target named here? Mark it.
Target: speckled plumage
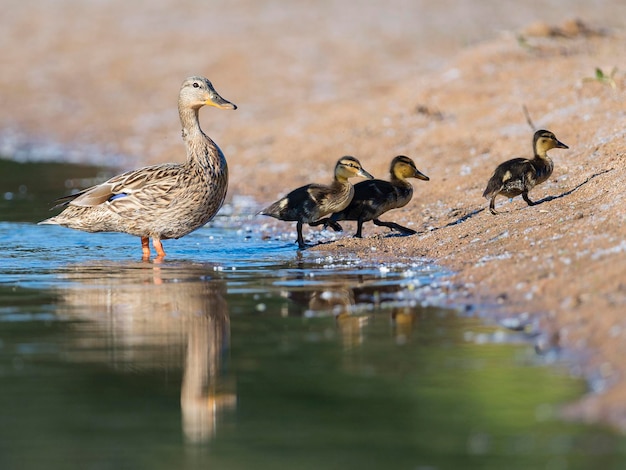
(310, 203)
(373, 198)
(520, 175)
(161, 201)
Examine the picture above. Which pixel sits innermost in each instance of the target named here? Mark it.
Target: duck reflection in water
(147, 317)
(351, 304)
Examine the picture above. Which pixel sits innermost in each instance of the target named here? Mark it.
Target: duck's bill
(561, 145)
(219, 102)
(365, 174)
(421, 176)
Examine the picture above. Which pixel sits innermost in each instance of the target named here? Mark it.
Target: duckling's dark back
(371, 199)
(298, 205)
(511, 177)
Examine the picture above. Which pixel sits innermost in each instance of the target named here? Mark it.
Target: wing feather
(130, 191)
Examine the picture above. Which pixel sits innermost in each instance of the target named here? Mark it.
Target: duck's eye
(196, 85)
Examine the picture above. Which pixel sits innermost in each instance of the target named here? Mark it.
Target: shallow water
(240, 352)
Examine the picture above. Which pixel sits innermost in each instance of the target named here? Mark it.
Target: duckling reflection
(146, 317)
(332, 300)
(403, 320)
(351, 306)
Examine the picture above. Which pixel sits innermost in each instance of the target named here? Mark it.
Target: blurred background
(97, 81)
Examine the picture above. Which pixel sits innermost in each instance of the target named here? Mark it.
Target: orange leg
(158, 246)
(145, 248)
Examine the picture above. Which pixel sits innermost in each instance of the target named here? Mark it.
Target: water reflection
(138, 316)
(335, 365)
(146, 316)
(352, 302)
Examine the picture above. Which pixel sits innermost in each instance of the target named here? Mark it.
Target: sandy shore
(312, 86)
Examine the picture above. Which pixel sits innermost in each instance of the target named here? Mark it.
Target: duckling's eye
(196, 85)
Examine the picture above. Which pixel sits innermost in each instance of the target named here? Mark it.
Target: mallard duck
(520, 175)
(373, 198)
(161, 201)
(308, 204)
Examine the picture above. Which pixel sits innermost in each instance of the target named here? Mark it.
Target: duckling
(520, 175)
(161, 201)
(308, 204)
(375, 197)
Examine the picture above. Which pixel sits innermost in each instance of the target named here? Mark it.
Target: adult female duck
(161, 201)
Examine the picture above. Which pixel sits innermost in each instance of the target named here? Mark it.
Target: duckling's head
(348, 167)
(196, 92)
(403, 167)
(546, 140)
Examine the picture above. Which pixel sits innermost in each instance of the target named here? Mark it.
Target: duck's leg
(359, 229)
(158, 246)
(394, 226)
(332, 223)
(336, 226)
(301, 244)
(145, 248)
(328, 222)
(492, 206)
(527, 199)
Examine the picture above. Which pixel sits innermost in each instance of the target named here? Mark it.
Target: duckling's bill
(560, 145)
(421, 176)
(364, 174)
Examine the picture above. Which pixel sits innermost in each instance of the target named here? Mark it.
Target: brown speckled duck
(160, 201)
(373, 198)
(520, 175)
(308, 204)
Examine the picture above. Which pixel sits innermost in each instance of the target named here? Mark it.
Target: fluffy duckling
(520, 175)
(160, 201)
(375, 197)
(308, 204)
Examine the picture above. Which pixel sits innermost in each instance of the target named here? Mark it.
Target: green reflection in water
(353, 391)
(433, 401)
(28, 189)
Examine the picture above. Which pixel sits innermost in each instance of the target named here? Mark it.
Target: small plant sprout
(602, 77)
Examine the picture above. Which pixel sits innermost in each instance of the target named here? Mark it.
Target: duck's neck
(399, 181)
(541, 153)
(340, 181)
(201, 150)
(402, 188)
(543, 165)
(542, 156)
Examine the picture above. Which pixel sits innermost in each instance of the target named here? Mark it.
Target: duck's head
(196, 92)
(546, 140)
(348, 167)
(403, 167)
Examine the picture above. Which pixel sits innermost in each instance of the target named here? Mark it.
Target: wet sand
(97, 82)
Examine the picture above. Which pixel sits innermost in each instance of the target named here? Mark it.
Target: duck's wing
(133, 190)
(374, 192)
(291, 207)
(318, 195)
(323, 200)
(371, 198)
(507, 173)
(306, 203)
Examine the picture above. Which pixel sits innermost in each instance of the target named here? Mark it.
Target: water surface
(238, 351)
